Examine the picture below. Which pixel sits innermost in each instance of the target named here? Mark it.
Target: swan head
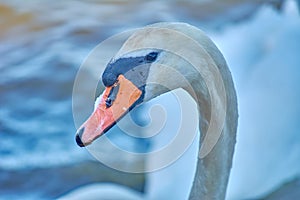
(129, 80)
(147, 65)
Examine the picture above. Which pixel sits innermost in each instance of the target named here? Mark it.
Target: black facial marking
(135, 69)
(110, 78)
(120, 66)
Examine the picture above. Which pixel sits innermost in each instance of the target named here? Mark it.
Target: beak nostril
(112, 95)
(108, 102)
(78, 137)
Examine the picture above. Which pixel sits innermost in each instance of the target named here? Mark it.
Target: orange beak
(109, 111)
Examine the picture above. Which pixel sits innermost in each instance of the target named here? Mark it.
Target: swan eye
(151, 57)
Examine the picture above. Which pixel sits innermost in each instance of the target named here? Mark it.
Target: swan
(154, 54)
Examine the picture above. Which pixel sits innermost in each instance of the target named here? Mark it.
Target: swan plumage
(212, 89)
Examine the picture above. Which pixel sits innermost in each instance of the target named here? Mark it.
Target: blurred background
(42, 45)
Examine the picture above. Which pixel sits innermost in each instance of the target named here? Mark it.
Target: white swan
(127, 79)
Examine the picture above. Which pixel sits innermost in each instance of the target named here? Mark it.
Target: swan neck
(213, 170)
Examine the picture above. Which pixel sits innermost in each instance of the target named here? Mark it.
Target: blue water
(36, 119)
(38, 66)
